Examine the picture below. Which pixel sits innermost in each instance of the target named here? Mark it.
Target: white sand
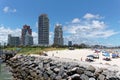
(80, 55)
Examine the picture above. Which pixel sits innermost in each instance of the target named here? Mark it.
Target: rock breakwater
(43, 68)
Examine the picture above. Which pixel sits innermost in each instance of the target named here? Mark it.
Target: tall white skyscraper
(28, 39)
(58, 35)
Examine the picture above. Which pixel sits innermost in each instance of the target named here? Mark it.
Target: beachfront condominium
(28, 39)
(43, 30)
(58, 35)
(13, 40)
(69, 43)
(25, 31)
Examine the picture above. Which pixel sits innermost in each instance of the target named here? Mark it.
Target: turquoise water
(4, 72)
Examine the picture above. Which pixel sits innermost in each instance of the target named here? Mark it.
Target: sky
(83, 21)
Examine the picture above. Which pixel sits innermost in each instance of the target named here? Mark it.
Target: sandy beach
(81, 54)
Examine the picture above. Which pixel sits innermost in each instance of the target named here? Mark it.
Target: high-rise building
(58, 35)
(43, 30)
(69, 43)
(13, 41)
(25, 29)
(28, 39)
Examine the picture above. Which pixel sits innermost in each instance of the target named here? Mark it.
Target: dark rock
(118, 75)
(69, 73)
(47, 61)
(33, 74)
(88, 73)
(44, 54)
(53, 76)
(56, 70)
(91, 68)
(52, 67)
(84, 77)
(101, 77)
(98, 72)
(40, 65)
(75, 77)
(113, 78)
(61, 71)
(58, 78)
(32, 58)
(80, 71)
(92, 79)
(64, 75)
(59, 65)
(49, 72)
(74, 69)
(53, 63)
(45, 76)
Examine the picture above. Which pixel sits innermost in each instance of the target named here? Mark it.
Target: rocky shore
(26, 67)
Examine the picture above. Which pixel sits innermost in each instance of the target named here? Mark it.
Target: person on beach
(53, 54)
(81, 58)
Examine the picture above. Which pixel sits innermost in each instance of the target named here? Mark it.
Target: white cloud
(35, 37)
(76, 20)
(51, 36)
(87, 30)
(91, 16)
(8, 9)
(5, 31)
(98, 24)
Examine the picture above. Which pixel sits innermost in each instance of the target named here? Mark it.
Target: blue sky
(84, 21)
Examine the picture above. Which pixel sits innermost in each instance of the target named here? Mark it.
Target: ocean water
(4, 72)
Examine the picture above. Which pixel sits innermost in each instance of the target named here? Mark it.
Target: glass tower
(43, 30)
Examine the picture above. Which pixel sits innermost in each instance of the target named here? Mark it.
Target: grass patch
(33, 50)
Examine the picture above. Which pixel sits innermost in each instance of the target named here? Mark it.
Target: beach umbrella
(106, 54)
(90, 56)
(114, 55)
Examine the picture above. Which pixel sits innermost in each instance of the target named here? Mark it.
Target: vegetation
(32, 49)
(40, 49)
